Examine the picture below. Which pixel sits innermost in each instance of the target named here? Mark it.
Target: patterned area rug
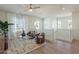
(22, 46)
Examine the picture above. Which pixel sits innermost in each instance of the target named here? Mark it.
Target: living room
(31, 26)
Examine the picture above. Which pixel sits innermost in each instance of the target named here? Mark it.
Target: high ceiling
(45, 10)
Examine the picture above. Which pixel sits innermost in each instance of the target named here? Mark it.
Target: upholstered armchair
(40, 38)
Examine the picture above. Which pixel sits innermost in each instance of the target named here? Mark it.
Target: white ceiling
(45, 10)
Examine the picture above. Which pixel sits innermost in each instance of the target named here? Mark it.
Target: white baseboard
(59, 40)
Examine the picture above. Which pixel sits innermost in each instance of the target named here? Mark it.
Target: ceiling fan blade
(31, 7)
(36, 7)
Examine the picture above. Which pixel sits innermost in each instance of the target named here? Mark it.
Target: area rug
(23, 47)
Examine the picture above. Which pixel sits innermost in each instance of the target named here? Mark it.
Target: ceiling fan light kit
(30, 10)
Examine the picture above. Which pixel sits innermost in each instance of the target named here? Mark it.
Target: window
(47, 24)
(64, 22)
(54, 24)
(69, 24)
(19, 24)
(59, 24)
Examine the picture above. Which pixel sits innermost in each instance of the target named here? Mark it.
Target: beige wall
(3, 16)
(75, 25)
(75, 19)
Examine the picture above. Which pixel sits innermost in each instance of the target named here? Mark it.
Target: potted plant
(4, 31)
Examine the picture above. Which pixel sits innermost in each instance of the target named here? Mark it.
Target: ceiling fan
(31, 7)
